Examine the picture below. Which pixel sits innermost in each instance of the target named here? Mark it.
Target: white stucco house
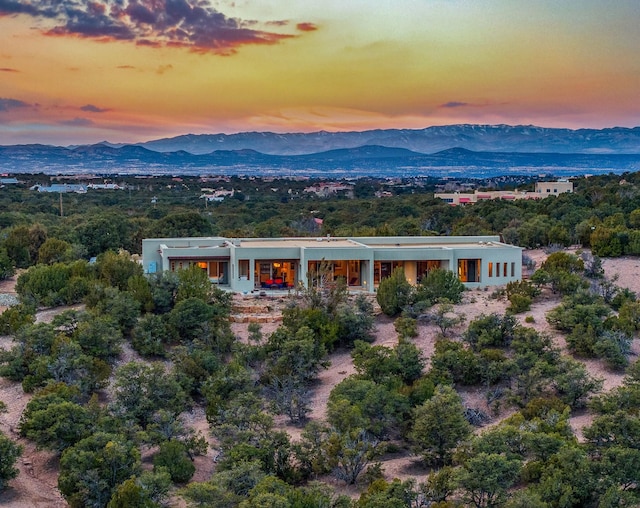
(247, 264)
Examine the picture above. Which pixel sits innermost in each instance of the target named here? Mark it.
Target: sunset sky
(81, 71)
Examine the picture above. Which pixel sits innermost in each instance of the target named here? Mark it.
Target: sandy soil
(36, 483)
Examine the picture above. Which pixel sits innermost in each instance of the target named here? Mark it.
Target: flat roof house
(246, 264)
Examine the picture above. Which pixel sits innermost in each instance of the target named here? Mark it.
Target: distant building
(61, 188)
(553, 188)
(104, 186)
(542, 190)
(216, 195)
(327, 189)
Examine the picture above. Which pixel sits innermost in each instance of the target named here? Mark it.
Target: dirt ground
(35, 486)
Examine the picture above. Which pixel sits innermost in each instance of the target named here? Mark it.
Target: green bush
(519, 303)
(440, 285)
(9, 453)
(394, 293)
(173, 457)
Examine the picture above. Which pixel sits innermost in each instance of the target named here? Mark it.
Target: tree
(140, 289)
(574, 384)
(6, 265)
(452, 362)
(439, 426)
(444, 317)
(9, 453)
(375, 407)
(54, 250)
(189, 317)
(131, 494)
(568, 479)
(485, 479)
(44, 284)
(394, 293)
(356, 321)
(291, 397)
(491, 330)
(296, 354)
(98, 336)
(103, 232)
(142, 389)
(350, 452)
(164, 287)
(440, 286)
(121, 306)
(193, 282)
(91, 470)
(173, 457)
(150, 336)
(563, 261)
(182, 224)
(57, 425)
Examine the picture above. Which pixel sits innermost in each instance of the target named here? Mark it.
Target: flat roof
(308, 243)
(441, 245)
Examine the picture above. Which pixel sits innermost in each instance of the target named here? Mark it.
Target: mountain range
(479, 138)
(459, 150)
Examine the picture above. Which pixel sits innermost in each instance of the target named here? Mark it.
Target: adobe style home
(248, 264)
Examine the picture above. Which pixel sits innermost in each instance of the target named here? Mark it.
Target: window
(513, 269)
(504, 269)
(490, 269)
(243, 268)
(497, 269)
(469, 270)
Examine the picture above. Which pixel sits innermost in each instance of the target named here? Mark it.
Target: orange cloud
(307, 27)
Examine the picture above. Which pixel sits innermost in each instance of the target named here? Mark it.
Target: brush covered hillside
(121, 390)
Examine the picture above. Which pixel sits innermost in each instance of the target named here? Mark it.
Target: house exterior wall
(553, 188)
(483, 259)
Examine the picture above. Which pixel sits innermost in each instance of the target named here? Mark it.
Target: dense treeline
(603, 213)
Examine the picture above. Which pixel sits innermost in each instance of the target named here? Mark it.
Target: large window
(424, 267)
(275, 274)
(321, 272)
(383, 269)
(469, 270)
(217, 271)
(243, 269)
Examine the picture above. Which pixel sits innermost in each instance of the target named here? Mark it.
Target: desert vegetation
(142, 393)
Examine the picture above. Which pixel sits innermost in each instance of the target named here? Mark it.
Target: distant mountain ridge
(430, 140)
(367, 160)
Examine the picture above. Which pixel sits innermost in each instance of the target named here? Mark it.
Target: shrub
(490, 331)
(394, 293)
(440, 285)
(173, 457)
(9, 453)
(519, 303)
